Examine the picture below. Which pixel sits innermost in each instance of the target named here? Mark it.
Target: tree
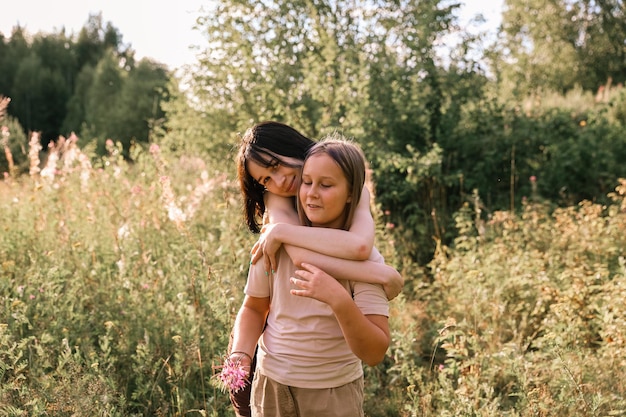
(138, 106)
(368, 69)
(102, 98)
(558, 44)
(39, 97)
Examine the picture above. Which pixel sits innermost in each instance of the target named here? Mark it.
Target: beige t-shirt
(302, 344)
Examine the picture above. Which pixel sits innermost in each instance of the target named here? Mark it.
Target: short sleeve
(258, 282)
(371, 299)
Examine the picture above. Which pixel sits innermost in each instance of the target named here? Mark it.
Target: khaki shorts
(271, 399)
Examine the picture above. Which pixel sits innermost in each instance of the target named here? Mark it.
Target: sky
(158, 29)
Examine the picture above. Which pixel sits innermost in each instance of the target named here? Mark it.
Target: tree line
(89, 84)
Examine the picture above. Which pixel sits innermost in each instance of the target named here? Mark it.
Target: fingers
(267, 264)
(303, 290)
(272, 260)
(310, 268)
(256, 256)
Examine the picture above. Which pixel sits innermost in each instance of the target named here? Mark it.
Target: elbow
(374, 358)
(362, 252)
(375, 354)
(399, 278)
(297, 260)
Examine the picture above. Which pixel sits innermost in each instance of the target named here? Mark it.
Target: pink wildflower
(233, 376)
(33, 153)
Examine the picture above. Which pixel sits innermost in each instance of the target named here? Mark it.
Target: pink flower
(233, 376)
(533, 178)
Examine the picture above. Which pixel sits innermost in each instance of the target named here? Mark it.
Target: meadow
(119, 284)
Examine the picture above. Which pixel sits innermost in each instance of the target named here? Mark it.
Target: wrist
(279, 232)
(240, 357)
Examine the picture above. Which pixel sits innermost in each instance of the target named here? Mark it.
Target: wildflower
(390, 226)
(85, 170)
(123, 232)
(233, 375)
(109, 145)
(7, 150)
(33, 153)
(50, 168)
(174, 213)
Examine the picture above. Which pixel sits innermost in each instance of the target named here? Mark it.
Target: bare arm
(249, 326)
(362, 271)
(356, 243)
(283, 227)
(367, 336)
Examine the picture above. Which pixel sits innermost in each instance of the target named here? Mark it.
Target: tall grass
(112, 305)
(119, 283)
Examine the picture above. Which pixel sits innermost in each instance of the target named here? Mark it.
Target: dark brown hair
(264, 143)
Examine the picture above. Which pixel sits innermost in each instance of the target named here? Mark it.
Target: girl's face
(324, 192)
(277, 178)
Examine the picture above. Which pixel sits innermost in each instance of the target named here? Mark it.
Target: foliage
(56, 83)
(120, 284)
(526, 316)
(117, 294)
(559, 44)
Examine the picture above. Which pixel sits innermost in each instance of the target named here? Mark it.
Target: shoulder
(280, 209)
